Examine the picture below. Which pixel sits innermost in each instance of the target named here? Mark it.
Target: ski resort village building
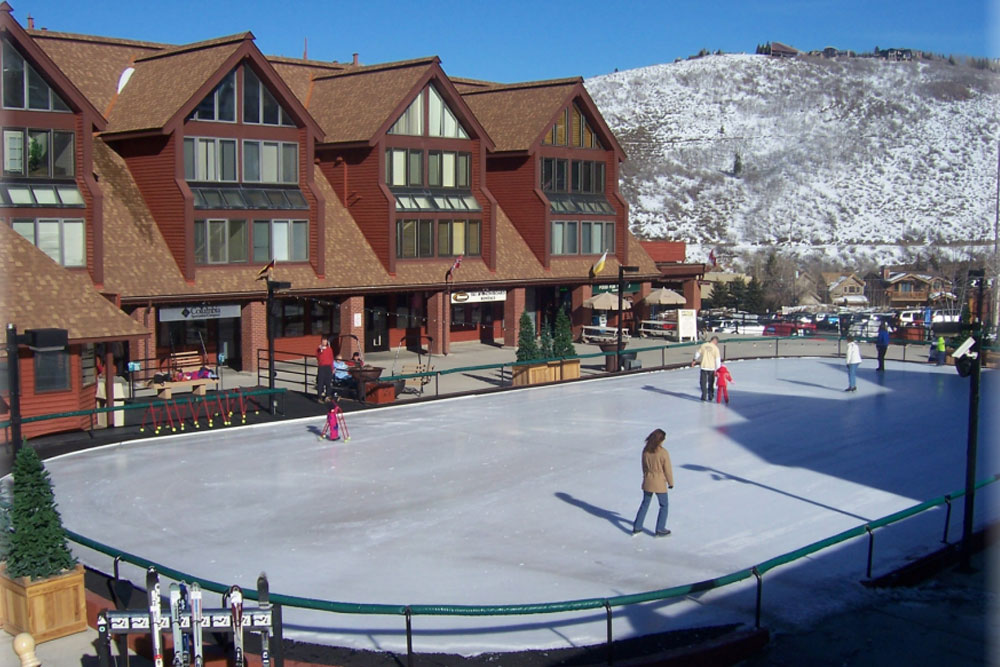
(401, 206)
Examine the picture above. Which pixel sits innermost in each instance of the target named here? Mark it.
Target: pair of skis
(234, 598)
(178, 601)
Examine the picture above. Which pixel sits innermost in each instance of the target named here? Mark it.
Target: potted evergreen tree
(563, 349)
(41, 582)
(528, 369)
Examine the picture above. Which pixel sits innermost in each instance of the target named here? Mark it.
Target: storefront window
(52, 371)
(293, 321)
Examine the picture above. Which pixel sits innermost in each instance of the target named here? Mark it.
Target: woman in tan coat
(657, 477)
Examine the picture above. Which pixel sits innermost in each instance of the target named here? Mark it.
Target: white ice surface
(528, 496)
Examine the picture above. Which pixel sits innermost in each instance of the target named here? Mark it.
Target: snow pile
(838, 156)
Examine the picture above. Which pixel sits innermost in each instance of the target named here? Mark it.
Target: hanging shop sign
(480, 296)
(630, 288)
(202, 312)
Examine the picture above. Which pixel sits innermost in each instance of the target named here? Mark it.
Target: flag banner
(599, 265)
(266, 271)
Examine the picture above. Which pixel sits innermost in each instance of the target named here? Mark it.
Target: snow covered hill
(849, 158)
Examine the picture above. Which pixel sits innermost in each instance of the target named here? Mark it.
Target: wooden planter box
(565, 369)
(525, 374)
(46, 608)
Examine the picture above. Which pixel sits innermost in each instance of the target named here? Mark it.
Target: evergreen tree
(545, 347)
(737, 294)
(527, 347)
(720, 295)
(562, 344)
(737, 164)
(38, 546)
(753, 301)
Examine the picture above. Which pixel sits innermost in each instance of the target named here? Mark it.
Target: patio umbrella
(664, 297)
(605, 301)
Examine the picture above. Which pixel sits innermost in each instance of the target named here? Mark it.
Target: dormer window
(572, 129)
(259, 104)
(23, 87)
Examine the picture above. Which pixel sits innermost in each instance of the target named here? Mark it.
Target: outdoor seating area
(183, 371)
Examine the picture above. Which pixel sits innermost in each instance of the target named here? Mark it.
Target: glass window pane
(216, 241)
(189, 170)
(57, 102)
(200, 243)
(575, 180)
(407, 238)
(571, 238)
(462, 170)
(471, 203)
(434, 169)
(458, 237)
(269, 162)
(398, 167)
(45, 194)
(473, 243)
(199, 199)
(74, 243)
(457, 203)
(25, 228)
(251, 161)
(415, 113)
(38, 90)
(13, 77)
(561, 128)
(261, 241)
(609, 236)
(20, 194)
(279, 240)
(228, 159)
(237, 241)
(205, 167)
(251, 96)
(585, 239)
(257, 199)
(415, 170)
(444, 237)
(435, 112)
(426, 238)
(52, 371)
(548, 174)
(295, 199)
(561, 168)
(13, 152)
(227, 97)
(206, 108)
(213, 198)
(276, 199)
(423, 202)
(558, 236)
(233, 198)
(269, 107)
(38, 153)
(289, 163)
(48, 238)
(450, 124)
(448, 169)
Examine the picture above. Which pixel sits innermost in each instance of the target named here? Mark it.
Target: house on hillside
(780, 50)
(908, 289)
(844, 289)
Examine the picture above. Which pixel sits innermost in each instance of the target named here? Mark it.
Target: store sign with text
(480, 296)
(201, 312)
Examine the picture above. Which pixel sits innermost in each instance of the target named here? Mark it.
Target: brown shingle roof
(515, 115)
(165, 81)
(298, 74)
(353, 105)
(38, 293)
(93, 64)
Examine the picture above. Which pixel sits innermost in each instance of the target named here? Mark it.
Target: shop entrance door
(376, 325)
(229, 343)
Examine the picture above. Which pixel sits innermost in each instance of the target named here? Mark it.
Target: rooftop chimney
(355, 59)
(31, 22)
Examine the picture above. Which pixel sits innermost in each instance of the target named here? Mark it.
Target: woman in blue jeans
(657, 477)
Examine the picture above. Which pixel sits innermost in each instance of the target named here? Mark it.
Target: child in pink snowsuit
(722, 380)
(332, 425)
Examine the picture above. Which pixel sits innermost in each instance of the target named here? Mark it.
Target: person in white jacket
(853, 361)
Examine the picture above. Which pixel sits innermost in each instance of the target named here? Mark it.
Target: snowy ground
(528, 496)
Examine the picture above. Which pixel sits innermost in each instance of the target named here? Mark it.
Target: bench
(183, 362)
(599, 334)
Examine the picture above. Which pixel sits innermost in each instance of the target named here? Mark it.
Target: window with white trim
(280, 240)
(449, 169)
(596, 237)
(270, 162)
(62, 240)
(441, 121)
(220, 241)
(210, 160)
(565, 237)
(24, 87)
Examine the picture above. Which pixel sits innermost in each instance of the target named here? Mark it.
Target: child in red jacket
(722, 380)
(332, 425)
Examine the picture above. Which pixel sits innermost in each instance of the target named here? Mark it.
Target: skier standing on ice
(710, 358)
(853, 360)
(332, 425)
(657, 477)
(722, 380)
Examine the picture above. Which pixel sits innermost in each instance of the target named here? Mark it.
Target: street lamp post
(622, 270)
(973, 438)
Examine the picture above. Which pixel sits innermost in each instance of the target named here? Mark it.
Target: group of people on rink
(332, 372)
(713, 372)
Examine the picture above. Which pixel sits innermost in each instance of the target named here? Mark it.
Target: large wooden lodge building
(166, 176)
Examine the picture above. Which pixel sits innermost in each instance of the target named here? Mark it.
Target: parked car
(747, 328)
(789, 329)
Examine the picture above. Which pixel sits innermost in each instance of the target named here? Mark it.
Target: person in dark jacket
(882, 344)
(657, 477)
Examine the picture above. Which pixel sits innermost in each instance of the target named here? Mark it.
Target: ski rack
(264, 619)
(172, 415)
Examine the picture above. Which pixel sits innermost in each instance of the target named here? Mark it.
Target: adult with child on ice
(853, 360)
(657, 477)
(722, 380)
(710, 359)
(882, 344)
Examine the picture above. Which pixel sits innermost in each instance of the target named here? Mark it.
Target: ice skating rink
(528, 496)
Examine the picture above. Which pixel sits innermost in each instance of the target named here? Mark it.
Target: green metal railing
(607, 603)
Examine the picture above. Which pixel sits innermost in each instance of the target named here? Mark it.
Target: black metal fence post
(947, 518)
(871, 551)
(409, 637)
(611, 645)
(760, 587)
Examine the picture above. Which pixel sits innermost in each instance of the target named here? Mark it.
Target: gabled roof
(94, 64)
(354, 105)
(517, 115)
(299, 73)
(834, 280)
(37, 293)
(50, 70)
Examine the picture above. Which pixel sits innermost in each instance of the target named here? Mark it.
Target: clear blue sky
(516, 40)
